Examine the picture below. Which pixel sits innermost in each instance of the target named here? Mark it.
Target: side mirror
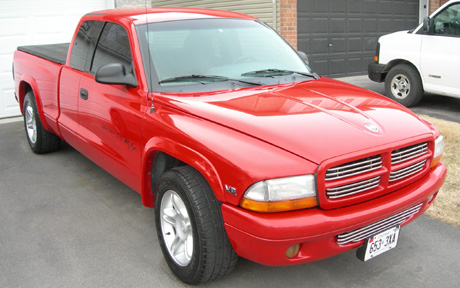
(115, 73)
(304, 57)
(426, 24)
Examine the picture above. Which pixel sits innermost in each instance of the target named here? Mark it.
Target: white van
(425, 59)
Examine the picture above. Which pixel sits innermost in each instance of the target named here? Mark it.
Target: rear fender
(26, 84)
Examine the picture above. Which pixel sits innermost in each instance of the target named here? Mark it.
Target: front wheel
(190, 227)
(40, 140)
(403, 85)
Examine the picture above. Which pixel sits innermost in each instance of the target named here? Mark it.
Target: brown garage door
(340, 36)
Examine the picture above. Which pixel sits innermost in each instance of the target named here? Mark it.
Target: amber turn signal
(436, 161)
(278, 206)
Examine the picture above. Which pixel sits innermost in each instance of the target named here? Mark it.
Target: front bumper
(376, 72)
(264, 238)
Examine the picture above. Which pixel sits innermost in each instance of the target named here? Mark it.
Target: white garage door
(27, 22)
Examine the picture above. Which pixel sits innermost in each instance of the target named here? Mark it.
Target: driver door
(110, 116)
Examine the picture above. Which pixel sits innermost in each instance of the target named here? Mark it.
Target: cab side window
(84, 44)
(447, 22)
(113, 47)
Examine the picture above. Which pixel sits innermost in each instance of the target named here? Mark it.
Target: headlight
(438, 150)
(282, 194)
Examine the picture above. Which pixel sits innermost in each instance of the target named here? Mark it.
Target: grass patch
(446, 206)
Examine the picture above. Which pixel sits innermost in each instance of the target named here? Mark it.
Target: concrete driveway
(64, 222)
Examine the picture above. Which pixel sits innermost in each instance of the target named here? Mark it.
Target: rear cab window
(99, 43)
(84, 45)
(112, 47)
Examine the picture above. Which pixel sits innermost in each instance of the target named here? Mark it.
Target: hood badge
(371, 127)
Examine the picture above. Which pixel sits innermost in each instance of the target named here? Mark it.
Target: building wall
(288, 21)
(435, 4)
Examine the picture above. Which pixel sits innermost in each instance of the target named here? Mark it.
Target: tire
(40, 140)
(190, 227)
(403, 85)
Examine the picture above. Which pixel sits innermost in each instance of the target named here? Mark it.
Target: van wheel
(190, 227)
(403, 85)
(40, 140)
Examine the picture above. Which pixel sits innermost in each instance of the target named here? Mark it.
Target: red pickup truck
(223, 128)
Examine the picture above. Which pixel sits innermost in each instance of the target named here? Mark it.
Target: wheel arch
(28, 84)
(161, 155)
(396, 62)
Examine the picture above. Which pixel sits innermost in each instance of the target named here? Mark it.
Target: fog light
(292, 251)
(430, 201)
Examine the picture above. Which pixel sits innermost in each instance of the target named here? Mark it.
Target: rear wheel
(40, 140)
(403, 84)
(190, 227)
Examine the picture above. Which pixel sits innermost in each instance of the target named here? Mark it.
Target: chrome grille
(354, 168)
(407, 153)
(378, 174)
(407, 171)
(377, 227)
(353, 188)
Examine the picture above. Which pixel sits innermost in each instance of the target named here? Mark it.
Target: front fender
(400, 47)
(182, 153)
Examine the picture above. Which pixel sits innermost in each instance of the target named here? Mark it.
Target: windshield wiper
(205, 78)
(184, 78)
(277, 72)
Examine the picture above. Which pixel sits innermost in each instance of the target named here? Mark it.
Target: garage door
(340, 36)
(26, 22)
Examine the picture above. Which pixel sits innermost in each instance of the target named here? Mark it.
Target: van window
(448, 21)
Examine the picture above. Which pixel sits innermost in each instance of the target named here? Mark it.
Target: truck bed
(53, 52)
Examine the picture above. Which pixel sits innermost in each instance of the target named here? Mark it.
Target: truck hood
(316, 120)
(396, 35)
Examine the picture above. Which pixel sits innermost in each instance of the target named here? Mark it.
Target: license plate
(378, 244)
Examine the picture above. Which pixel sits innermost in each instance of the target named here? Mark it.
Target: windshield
(211, 54)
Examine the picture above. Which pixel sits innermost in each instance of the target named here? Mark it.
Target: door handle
(84, 94)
